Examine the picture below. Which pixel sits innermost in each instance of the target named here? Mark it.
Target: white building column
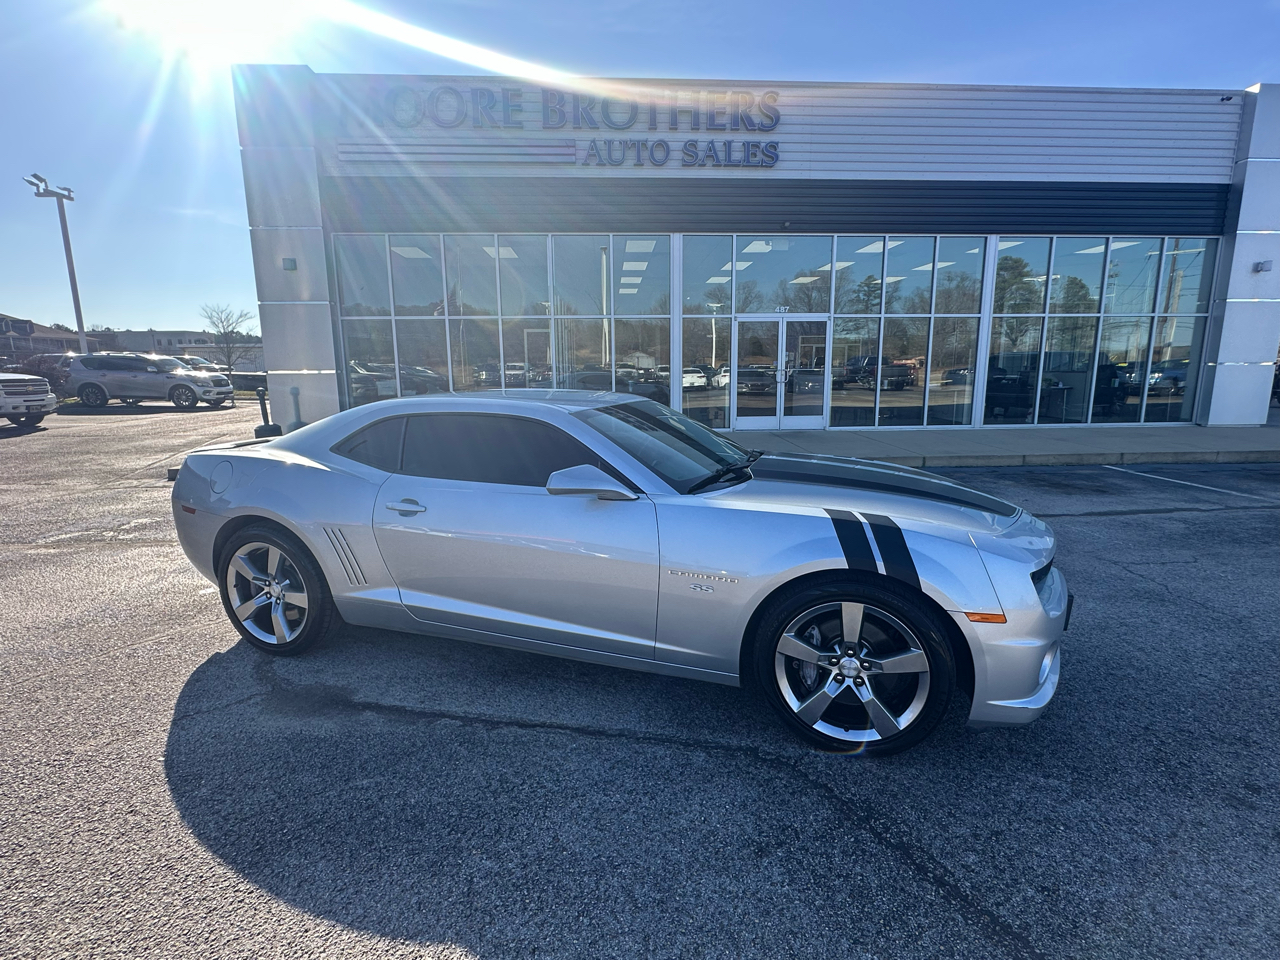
(281, 186)
(1245, 321)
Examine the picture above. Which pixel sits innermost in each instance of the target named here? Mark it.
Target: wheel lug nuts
(857, 681)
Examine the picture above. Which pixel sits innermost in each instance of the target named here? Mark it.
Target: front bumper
(1017, 664)
(17, 406)
(215, 393)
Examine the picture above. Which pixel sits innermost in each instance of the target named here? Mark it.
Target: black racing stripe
(893, 550)
(853, 541)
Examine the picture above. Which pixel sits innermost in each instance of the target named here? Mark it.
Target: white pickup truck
(25, 400)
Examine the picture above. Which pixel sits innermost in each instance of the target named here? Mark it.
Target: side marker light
(987, 617)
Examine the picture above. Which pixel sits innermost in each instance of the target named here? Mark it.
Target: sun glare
(216, 33)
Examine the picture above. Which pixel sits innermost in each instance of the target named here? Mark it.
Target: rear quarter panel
(328, 507)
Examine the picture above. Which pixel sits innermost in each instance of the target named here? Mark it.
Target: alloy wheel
(267, 592)
(852, 671)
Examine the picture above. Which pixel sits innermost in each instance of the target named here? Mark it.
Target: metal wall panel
(513, 205)
(825, 131)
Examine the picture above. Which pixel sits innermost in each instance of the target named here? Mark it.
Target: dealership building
(768, 255)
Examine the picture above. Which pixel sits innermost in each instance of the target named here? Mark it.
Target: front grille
(221, 382)
(25, 388)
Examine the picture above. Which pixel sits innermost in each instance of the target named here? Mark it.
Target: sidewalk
(1026, 446)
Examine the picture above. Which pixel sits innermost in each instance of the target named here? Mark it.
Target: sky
(146, 136)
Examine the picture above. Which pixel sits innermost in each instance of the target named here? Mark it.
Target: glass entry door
(780, 372)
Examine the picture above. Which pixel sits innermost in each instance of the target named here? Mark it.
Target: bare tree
(231, 342)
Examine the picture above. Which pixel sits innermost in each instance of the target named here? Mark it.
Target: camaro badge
(702, 576)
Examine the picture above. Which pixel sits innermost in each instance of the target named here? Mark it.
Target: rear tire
(880, 694)
(183, 397)
(274, 592)
(92, 395)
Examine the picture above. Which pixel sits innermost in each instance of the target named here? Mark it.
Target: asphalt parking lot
(170, 792)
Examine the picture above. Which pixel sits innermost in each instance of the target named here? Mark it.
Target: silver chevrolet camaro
(856, 596)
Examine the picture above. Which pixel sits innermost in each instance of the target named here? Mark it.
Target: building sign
(712, 128)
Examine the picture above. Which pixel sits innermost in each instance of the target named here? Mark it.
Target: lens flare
(217, 33)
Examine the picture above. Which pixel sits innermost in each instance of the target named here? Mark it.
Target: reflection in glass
(908, 281)
(855, 345)
(522, 275)
(477, 364)
(583, 354)
(959, 274)
(1012, 370)
(1131, 275)
(641, 349)
(757, 369)
(581, 276)
(363, 290)
(416, 277)
(1068, 363)
(1021, 274)
(805, 356)
(424, 356)
(707, 284)
(371, 370)
(471, 278)
(642, 275)
(952, 364)
(1076, 284)
(793, 273)
(526, 352)
(1175, 369)
(1122, 369)
(1188, 275)
(706, 343)
(906, 343)
(859, 274)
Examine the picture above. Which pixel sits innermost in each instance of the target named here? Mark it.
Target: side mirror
(586, 479)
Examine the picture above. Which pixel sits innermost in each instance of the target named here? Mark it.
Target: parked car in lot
(99, 378)
(25, 400)
(607, 528)
(200, 363)
(693, 378)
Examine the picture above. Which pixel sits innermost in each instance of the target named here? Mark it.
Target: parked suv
(133, 377)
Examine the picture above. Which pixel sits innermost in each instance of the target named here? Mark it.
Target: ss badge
(702, 588)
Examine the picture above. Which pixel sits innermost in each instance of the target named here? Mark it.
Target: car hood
(869, 486)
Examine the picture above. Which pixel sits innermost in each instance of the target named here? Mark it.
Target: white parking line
(1188, 483)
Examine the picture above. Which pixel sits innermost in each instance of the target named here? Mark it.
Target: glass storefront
(787, 331)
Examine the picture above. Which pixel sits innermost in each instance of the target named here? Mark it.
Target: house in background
(20, 339)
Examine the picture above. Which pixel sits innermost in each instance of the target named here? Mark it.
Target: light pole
(62, 195)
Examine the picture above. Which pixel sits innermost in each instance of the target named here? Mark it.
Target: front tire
(183, 397)
(274, 592)
(216, 403)
(28, 421)
(880, 692)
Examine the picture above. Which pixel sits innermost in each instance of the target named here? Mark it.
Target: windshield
(679, 450)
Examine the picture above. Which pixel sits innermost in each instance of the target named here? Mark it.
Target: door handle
(406, 507)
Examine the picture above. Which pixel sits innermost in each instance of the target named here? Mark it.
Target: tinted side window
(135, 364)
(90, 363)
(485, 448)
(377, 445)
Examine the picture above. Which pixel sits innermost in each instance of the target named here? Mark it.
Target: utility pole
(63, 195)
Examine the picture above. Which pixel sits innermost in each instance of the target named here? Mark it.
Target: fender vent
(346, 556)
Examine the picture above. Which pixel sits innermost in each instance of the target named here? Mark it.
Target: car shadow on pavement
(133, 410)
(513, 805)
